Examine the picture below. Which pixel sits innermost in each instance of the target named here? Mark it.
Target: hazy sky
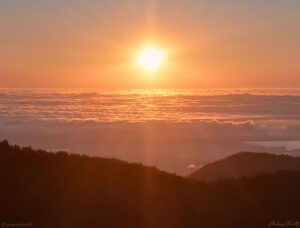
(92, 43)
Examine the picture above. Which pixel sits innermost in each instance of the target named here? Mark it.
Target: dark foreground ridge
(61, 190)
(246, 164)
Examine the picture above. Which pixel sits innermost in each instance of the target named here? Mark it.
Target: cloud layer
(169, 129)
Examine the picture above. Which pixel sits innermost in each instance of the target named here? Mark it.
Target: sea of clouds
(175, 130)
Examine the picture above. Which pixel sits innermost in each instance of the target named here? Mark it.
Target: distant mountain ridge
(246, 164)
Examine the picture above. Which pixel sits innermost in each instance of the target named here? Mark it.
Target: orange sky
(94, 43)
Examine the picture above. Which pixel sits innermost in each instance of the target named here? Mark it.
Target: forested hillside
(64, 190)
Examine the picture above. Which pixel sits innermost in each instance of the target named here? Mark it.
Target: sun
(150, 58)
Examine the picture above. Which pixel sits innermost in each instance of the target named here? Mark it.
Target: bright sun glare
(150, 58)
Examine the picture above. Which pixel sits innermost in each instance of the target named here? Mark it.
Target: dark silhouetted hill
(246, 164)
(63, 190)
